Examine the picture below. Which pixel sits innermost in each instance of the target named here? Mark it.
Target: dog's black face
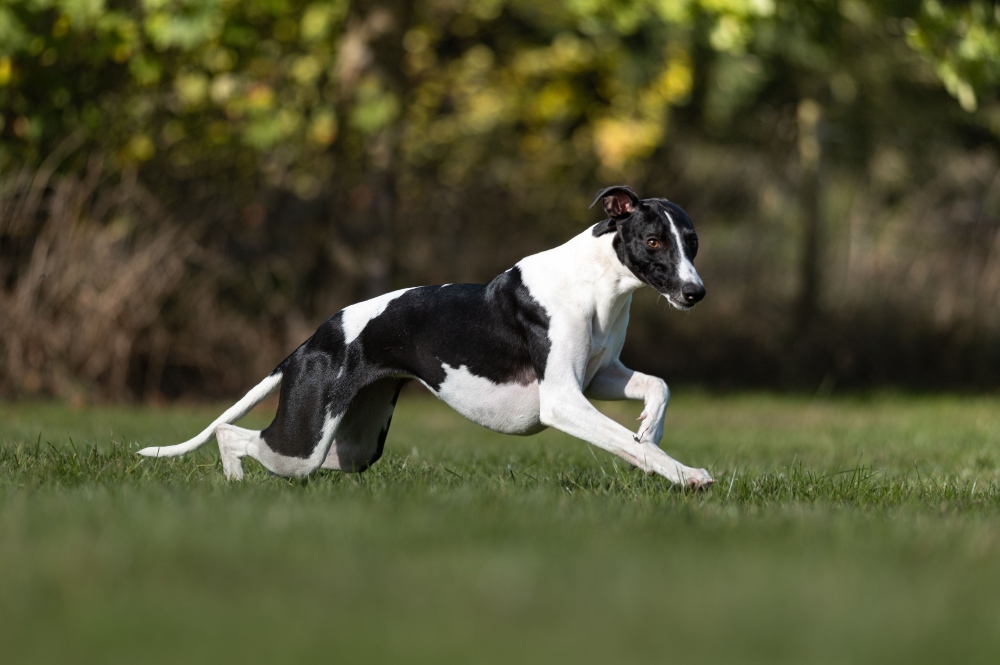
(654, 239)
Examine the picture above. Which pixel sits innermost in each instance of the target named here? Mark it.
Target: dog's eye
(692, 244)
(653, 243)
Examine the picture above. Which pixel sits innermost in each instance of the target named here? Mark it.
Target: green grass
(844, 531)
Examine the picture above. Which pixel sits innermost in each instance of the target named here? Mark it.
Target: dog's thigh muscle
(311, 406)
(360, 437)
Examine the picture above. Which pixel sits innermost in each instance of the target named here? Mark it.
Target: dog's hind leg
(236, 443)
(360, 438)
(280, 458)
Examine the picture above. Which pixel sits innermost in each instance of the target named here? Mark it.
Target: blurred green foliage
(310, 154)
(273, 84)
(963, 41)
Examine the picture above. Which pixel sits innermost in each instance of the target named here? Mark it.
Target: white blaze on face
(685, 269)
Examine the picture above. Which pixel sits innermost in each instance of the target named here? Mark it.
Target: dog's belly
(510, 408)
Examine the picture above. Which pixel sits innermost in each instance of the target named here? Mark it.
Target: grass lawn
(844, 531)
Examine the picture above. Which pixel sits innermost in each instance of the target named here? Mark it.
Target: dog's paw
(698, 479)
(233, 468)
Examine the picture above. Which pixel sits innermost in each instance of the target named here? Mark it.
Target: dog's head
(654, 239)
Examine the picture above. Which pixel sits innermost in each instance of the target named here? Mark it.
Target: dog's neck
(612, 282)
(588, 269)
(621, 281)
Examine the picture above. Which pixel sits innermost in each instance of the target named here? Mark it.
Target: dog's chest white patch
(356, 317)
(510, 408)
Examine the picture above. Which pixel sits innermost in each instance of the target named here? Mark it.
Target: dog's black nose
(693, 293)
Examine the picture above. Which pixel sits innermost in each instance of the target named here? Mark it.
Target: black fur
(496, 330)
(384, 432)
(361, 434)
(609, 225)
(656, 267)
(618, 201)
(307, 390)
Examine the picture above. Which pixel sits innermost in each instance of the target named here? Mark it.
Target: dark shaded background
(188, 187)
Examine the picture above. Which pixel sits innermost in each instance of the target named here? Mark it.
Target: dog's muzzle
(689, 296)
(692, 294)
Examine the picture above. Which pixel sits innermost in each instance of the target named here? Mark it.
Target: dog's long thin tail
(232, 414)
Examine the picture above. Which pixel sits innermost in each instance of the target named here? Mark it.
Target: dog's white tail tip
(235, 412)
(171, 451)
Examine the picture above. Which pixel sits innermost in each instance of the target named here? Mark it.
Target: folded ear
(619, 201)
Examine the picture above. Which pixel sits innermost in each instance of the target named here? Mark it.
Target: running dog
(517, 355)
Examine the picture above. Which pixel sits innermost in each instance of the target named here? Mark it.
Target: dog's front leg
(569, 411)
(562, 405)
(617, 382)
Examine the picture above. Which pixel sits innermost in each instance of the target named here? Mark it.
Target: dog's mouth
(676, 304)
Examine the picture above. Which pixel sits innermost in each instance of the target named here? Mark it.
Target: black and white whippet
(517, 355)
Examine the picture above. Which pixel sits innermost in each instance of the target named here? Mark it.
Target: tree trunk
(810, 115)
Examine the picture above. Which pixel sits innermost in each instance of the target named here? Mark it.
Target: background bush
(187, 187)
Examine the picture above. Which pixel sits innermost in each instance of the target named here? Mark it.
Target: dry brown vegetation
(236, 172)
(107, 295)
(104, 294)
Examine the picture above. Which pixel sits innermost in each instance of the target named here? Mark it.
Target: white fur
(510, 408)
(586, 292)
(301, 466)
(232, 414)
(686, 268)
(357, 316)
(237, 442)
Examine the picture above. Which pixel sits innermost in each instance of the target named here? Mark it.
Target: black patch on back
(496, 330)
